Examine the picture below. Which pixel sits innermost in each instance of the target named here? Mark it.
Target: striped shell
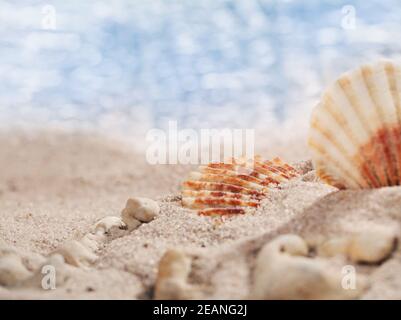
(355, 134)
(233, 186)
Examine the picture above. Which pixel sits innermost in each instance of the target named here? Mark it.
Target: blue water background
(124, 64)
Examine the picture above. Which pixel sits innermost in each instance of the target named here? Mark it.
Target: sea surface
(127, 66)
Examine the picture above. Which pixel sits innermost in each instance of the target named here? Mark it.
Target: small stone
(131, 222)
(12, 270)
(81, 253)
(142, 209)
(92, 241)
(283, 271)
(77, 254)
(171, 282)
(333, 247)
(289, 244)
(372, 246)
(111, 226)
(64, 272)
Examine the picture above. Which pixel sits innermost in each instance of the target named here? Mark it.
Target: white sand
(53, 187)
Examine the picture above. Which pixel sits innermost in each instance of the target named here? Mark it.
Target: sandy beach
(55, 186)
(200, 150)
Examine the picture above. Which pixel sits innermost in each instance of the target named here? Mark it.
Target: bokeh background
(125, 66)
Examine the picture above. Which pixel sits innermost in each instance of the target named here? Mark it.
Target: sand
(54, 186)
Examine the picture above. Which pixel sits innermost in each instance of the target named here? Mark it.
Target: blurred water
(130, 65)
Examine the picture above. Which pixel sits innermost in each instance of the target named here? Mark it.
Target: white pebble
(63, 272)
(142, 209)
(171, 283)
(372, 246)
(77, 254)
(333, 247)
(110, 226)
(92, 241)
(283, 271)
(12, 270)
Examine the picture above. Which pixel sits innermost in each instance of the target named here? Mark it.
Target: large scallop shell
(233, 186)
(355, 134)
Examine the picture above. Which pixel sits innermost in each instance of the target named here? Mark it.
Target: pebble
(139, 209)
(372, 246)
(77, 254)
(109, 224)
(12, 270)
(283, 271)
(171, 283)
(333, 247)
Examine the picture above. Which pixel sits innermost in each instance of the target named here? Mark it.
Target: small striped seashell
(355, 134)
(233, 186)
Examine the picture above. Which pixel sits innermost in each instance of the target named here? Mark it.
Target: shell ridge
(231, 173)
(380, 148)
(209, 177)
(355, 130)
(207, 193)
(218, 186)
(394, 133)
(211, 202)
(220, 189)
(324, 142)
(350, 92)
(362, 158)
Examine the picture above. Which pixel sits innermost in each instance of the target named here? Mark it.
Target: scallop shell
(355, 134)
(233, 186)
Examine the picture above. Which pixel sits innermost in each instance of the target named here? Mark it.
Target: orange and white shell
(233, 186)
(355, 134)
